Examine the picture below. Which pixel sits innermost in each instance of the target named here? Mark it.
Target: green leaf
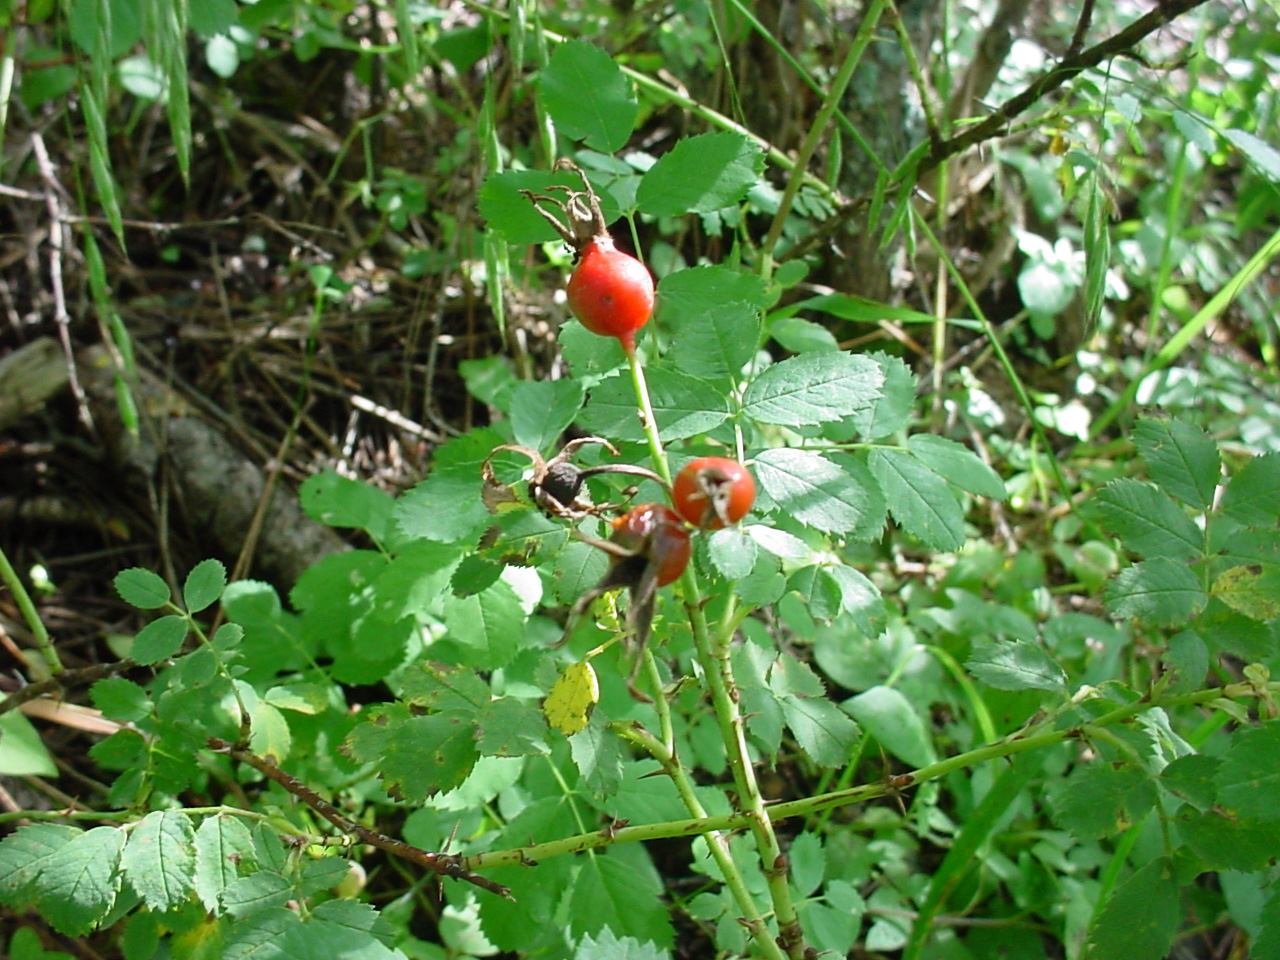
(818, 589)
(1252, 496)
(1181, 458)
(598, 755)
(918, 499)
(817, 492)
(717, 344)
(821, 730)
(1229, 843)
(619, 892)
(1259, 153)
(1102, 799)
(542, 409)
(263, 891)
(958, 465)
(685, 295)
(512, 214)
(891, 410)
(159, 639)
(121, 699)
(508, 727)
(1147, 521)
(700, 174)
(887, 716)
(1224, 630)
(610, 947)
(797, 335)
(22, 752)
(415, 581)
(24, 854)
(1253, 590)
(1140, 918)
(223, 843)
(342, 502)
(211, 17)
(1249, 777)
(1015, 665)
(142, 589)
(1160, 591)
(488, 626)
(417, 756)
(811, 388)
(204, 585)
(79, 881)
(159, 859)
(683, 406)
(445, 507)
(732, 552)
(588, 96)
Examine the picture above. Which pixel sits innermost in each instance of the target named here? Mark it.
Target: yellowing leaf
(572, 698)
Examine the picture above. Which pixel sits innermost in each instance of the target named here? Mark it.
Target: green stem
(32, 616)
(714, 656)
(717, 840)
(1035, 739)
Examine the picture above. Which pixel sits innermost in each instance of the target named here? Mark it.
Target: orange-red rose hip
(712, 492)
(611, 292)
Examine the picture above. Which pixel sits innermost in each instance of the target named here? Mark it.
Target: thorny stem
(714, 656)
(445, 865)
(717, 841)
(1038, 736)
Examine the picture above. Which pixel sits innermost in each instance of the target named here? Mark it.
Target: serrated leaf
(887, 716)
(718, 343)
(815, 491)
(1160, 591)
(918, 499)
(159, 639)
(1181, 458)
(264, 890)
(685, 295)
(616, 892)
(159, 859)
(1140, 918)
(445, 507)
(598, 755)
(732, 552)
(23, 855)
(223, 843)
(1229, 843)
(958, 465)
(684, 406)
(340, 501)
(79, 881)
(588, 96)
(700, 174)
(1253, 590)
(488, 626)
(1249, 777)
(1015, 665)
(542, 409)
(508, 727)
(1102, 799)
(811, 388)
(1147, 521)
(610, 947)
(1252, 496)
(142, 589)
(204, 585)
(822, 731)
(891, 410)
(417, 756)
(512, 214)
(572, 698)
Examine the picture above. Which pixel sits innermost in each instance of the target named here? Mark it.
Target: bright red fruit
(711, 492)
(656, 535)
(611, 292)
